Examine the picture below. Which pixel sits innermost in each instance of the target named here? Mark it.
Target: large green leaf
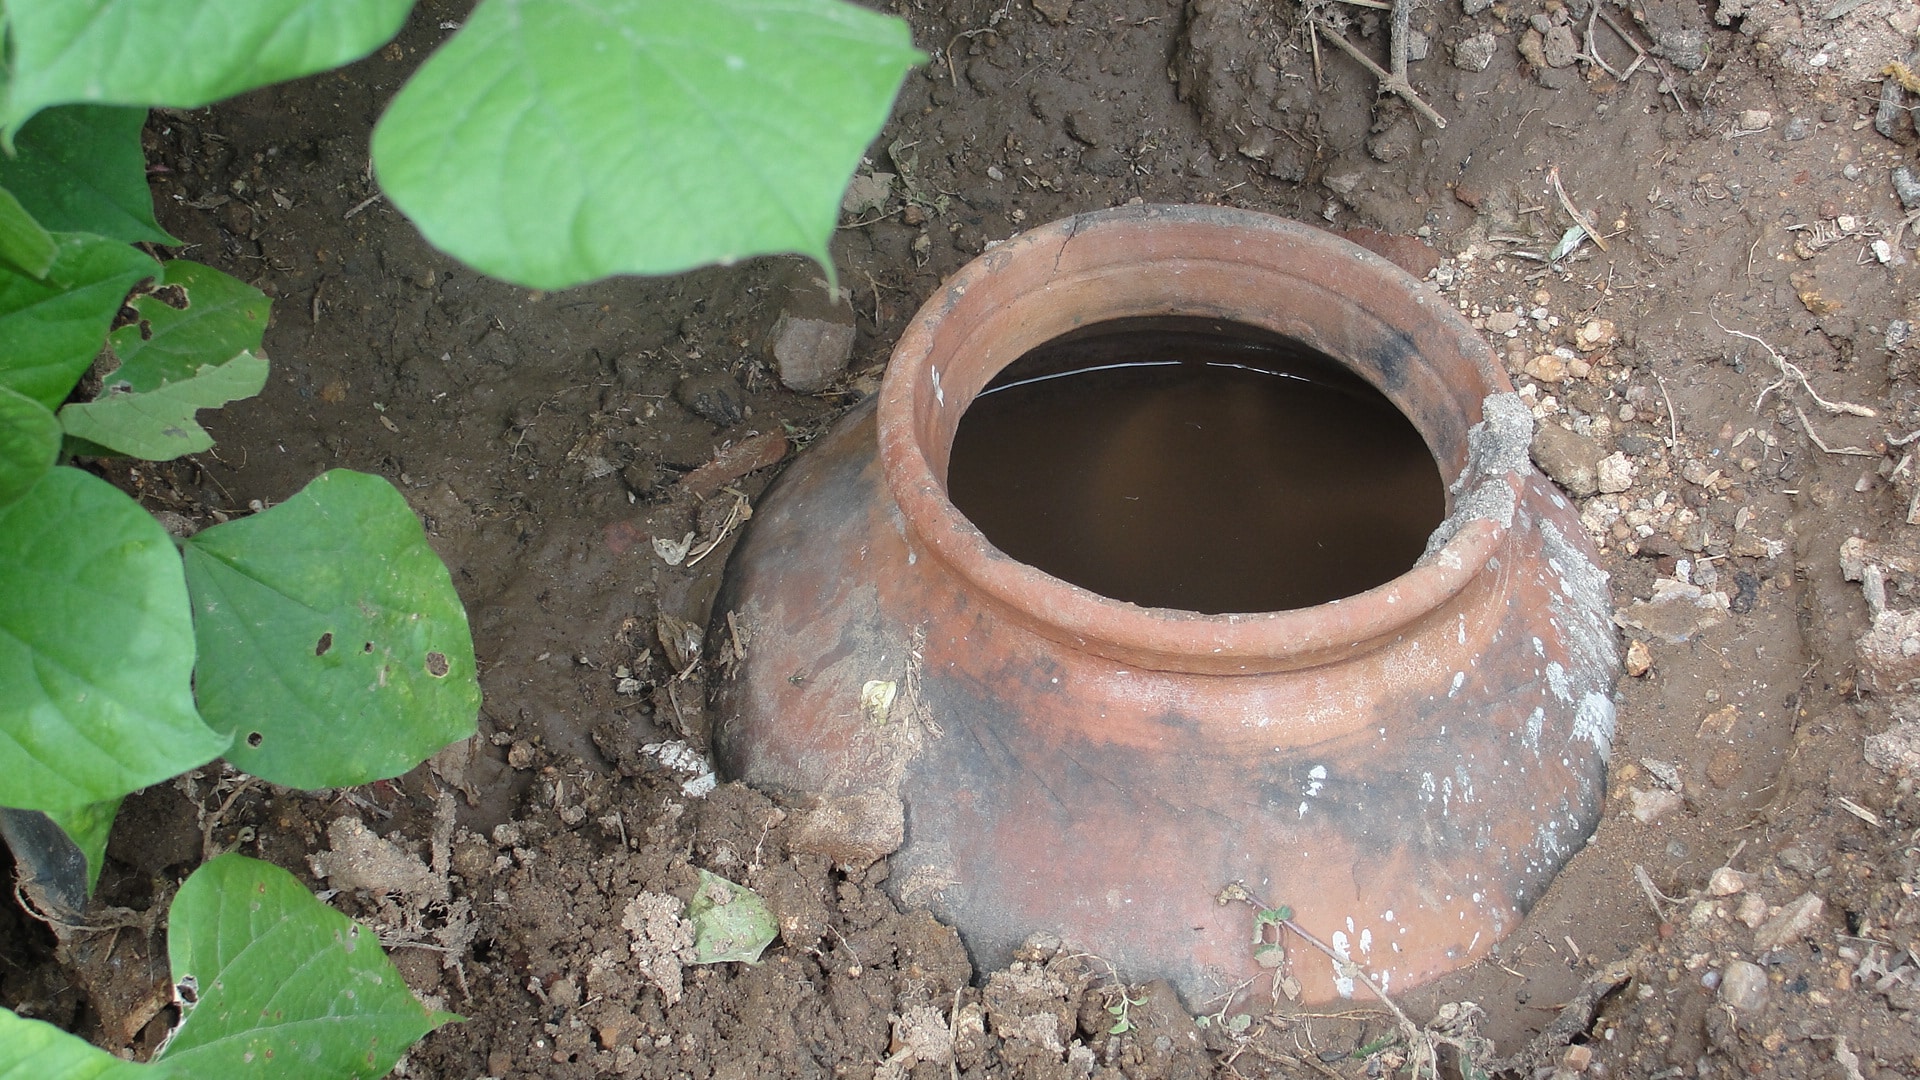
(288, 988)
(29, 442)
(331, 641)
(179, 53)
(551, 144)
(51, 330)
(36, 1050)
(80, 168)
(96, 649)
(24, 244)
(88, 827)
(192, 316)
(159, 424)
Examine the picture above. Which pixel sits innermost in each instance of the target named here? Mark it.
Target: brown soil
(541, 437)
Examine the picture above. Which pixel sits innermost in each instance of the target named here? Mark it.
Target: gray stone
(1893, 119)
(1474, 53)
(715, 397)
(1743, 986)
(1558, 46)
(1475, 7)
(1686, 48)
(813, 337)
(1906, 184)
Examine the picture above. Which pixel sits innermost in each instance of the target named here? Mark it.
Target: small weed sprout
(1121, 1009)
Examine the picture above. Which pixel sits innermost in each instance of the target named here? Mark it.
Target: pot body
(1406, 768)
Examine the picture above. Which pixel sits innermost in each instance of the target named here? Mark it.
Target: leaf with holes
(332, 644)
(80, 168)
(25, 245)
(551, 144)
(183, 55)
(96, 649)
(287, 988)
(36, 1050)
(160, 424)
(190, 316)
(53, 327)
(29, 443)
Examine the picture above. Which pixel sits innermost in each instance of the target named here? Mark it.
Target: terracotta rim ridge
(1169, 240)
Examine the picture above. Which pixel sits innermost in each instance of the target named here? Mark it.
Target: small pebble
(1547, 369)
(1616, 473)
(715, 397)
(1651, 806)
(1595, 334)
(1743, 986)
(1558, 46)
(1639, 658)
(1726, 881)
(1793, 922)
(1755, 120)
(1752, 911)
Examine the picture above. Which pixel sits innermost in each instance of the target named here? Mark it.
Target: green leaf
(159, 424)
(551, 144)
(29, 442)
(184, 55)
(96, 649)
(25, 245)
(332, 643)
(88, 827)
(190, 317)
(36, 1050)
(81, 168)
(53, 329)
(288, 988)
(730, 922)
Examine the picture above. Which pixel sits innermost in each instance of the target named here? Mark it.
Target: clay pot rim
(1161, 638)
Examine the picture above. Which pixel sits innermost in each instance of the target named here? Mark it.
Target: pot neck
(1215, 263)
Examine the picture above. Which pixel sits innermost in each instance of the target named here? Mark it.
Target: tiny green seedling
(1122, 1011)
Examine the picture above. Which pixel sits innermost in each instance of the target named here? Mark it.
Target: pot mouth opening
(1266, 278)
(1197, 465)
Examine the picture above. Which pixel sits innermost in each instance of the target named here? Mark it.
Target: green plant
(127, 656)
(320, 643)
(1121, 1009)
(270, 983)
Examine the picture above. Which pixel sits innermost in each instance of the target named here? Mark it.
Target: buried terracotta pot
(1405, 768)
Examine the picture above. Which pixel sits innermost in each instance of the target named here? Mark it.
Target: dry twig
(1791, 373)
(1393, 79)
(1845, 451)
(1580, 219)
